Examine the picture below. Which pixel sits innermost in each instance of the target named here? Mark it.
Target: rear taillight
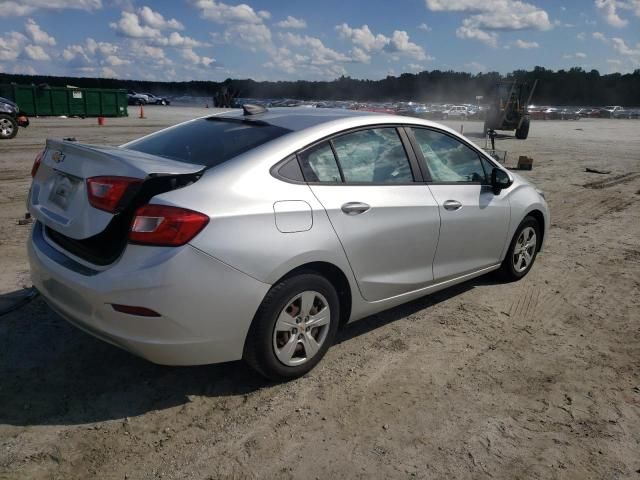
(163, 225)
(36, 164)
(105, 193)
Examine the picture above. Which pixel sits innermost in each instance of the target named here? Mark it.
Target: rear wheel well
(537, 214)
(337, 278)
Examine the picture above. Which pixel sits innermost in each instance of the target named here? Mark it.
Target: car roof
(299, 118)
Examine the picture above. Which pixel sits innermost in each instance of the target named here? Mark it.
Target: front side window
(448, 159)
(373, 156)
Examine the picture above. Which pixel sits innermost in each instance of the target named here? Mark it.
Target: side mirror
(499, 180)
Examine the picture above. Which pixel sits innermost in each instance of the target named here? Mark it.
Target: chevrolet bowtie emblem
(57, 157)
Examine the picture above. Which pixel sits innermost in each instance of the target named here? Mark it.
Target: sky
(322, 39)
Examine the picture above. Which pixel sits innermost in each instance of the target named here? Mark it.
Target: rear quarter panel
(240, 199)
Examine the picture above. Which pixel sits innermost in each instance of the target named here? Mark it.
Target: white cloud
(292, 22)
(365, 40)
(526, 45)
(416, 67)
(599, 36)
(610, 10)
(177, 40)
(129, 26)
(157, 21)
(115, 61)
(623, 49)
(11, 45)
(108, 72)
(423, 26)
(317, 52)
(36, 52)
(251, 35)
(37, 35)
(400, 43)
(222, 13)
(363, 37)
(12, 8)
(196, 59)
(581, 36)
(93, 53)
(472, 33)
(577, 55)
(487, 18)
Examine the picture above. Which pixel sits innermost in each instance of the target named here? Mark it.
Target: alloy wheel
(524, 250)
(6, 127)
(301, 328)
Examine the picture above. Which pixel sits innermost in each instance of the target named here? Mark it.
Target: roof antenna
(251, 109)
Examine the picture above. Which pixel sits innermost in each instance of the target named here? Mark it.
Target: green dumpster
(44, 100)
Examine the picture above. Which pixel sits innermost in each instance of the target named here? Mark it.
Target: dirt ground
(534, 379)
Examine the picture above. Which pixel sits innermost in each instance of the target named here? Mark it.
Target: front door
(474, 221)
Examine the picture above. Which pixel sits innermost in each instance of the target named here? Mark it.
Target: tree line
(562, 87)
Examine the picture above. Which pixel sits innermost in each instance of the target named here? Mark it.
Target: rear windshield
(208, 141)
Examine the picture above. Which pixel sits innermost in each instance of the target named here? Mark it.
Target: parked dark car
(134, 98)
(156, 100)
(10, 119)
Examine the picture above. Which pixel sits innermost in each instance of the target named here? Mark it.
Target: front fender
(524, 199)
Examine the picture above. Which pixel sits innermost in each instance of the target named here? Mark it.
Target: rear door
(475, 221)
(387, 222)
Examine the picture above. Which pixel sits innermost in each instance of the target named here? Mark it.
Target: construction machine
(508, 108)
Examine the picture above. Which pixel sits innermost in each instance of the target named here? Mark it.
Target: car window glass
(448, 159)
(373, 156)
(319, 164)
(291, 170)
(207, 141)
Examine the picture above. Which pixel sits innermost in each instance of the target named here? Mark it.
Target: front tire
(293, 328)
(8, 127)
(522, 250)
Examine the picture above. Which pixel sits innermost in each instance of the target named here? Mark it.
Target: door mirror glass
(499, 180)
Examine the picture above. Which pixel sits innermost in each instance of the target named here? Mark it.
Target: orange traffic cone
(142, 111)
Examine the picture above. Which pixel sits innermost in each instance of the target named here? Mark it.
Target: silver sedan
(256, 234)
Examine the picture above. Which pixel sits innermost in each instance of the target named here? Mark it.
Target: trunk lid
(58, 196)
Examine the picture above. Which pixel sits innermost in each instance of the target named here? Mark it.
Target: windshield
(208, 141)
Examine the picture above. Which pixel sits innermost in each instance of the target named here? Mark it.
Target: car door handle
(452, 205)
(355, 208)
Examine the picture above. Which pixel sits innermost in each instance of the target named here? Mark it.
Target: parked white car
(457, 111)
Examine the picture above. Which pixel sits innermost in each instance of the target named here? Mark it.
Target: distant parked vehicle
(457, 111)
(156, 100)
(632, 113)
(10, 119)
(611, 111)
(134, 98)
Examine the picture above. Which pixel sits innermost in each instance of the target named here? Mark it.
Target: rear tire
(8, 127)
(267, 342)
(522, 250)
(523, 132)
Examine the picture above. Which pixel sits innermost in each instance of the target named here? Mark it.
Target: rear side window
(208, 141)
(373, 156)
(319, 164)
